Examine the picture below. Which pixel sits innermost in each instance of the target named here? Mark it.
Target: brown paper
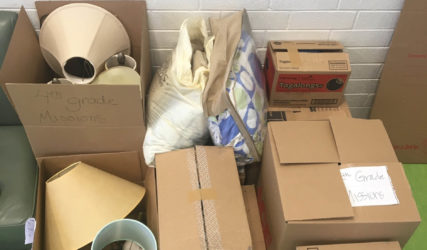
(227, 32)
(400, 100)
(63, 37)
(80, 200)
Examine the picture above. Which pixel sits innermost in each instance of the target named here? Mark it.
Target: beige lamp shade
(118, 75)
(76, 39)
(80, 200)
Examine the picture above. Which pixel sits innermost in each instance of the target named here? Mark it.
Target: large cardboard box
(307, 114)
(127, 165)
(254, 220)
(200, 202)
(355, 246)
(306, 73)
(301, 191)
(69, 119)
(401, 96)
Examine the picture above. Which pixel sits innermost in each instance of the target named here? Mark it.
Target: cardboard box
(401, 96)
(307, 114)
(71, 119)
(356, 246)
(306, 73)
(301, 192)
(127, 165)
(200, 202)
(254, 220)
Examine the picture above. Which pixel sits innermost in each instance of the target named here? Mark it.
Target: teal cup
(125, 229)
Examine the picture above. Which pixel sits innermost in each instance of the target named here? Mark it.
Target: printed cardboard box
(72, 119)
(127, 165)
(307, 114)
(401, 96)
(249, 195)
(356, 246)
(200, 202)
(316, 179)
(306, 73)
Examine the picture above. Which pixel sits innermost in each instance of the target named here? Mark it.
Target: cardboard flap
(304, 142)
(318, 192)
(109, 162)
(307, 45)
(362, 141)
(23, 61)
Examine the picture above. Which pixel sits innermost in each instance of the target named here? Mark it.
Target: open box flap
(360, 140)
(23, 61)
(109, 162)
(312, 192)
(304, 142)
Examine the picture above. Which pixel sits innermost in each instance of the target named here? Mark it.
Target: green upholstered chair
(18, 167)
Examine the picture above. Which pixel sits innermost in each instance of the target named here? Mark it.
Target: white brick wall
(365, 27)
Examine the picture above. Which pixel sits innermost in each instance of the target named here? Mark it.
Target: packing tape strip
(203, 198)
(213, 234)
(294, 56)
(197, 205)
(202, 194)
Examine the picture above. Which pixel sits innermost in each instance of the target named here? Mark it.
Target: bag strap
(242, 128)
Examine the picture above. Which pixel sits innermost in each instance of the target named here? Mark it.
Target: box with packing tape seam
(306, 73)
(200, 201)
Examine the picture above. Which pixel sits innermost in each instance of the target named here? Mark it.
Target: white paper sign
(30, 228)
(369, 186)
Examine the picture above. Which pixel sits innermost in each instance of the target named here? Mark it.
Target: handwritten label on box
(77, 105)
(369, 186)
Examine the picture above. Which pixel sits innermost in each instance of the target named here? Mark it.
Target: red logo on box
(265, 229)
(311, 83)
